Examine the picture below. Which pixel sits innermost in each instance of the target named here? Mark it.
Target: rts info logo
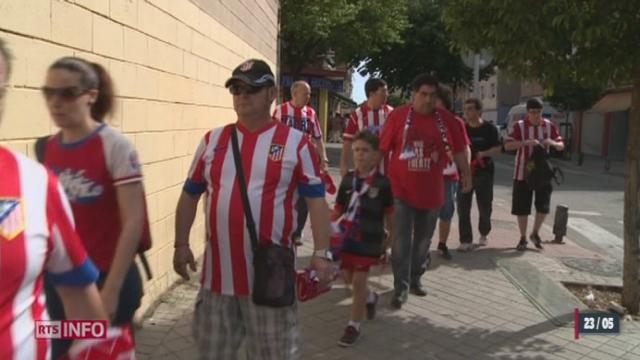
(71, 329)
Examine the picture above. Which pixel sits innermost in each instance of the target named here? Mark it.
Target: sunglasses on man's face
(67, 93)
(237, 89)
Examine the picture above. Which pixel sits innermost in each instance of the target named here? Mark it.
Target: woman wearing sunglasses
(100, 172)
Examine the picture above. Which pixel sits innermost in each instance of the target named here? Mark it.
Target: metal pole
(476, 76)
(560, 223)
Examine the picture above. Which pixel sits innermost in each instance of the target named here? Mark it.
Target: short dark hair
(534, 103)
(475, 101)
(369, 137)
(6, 55)
(445, 94)
(372, 85)
(424, 79)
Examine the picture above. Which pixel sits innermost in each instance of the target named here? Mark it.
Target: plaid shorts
(222, 322)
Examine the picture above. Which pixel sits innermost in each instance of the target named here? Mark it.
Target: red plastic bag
(328, 181)
(308, 285)
(119, 345)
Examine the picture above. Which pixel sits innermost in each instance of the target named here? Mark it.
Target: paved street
(473, 310)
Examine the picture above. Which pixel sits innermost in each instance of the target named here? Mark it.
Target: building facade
(169, 60)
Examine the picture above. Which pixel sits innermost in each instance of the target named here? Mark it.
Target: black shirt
(483, 138)
(373, 206)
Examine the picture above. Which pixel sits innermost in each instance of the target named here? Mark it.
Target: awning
(619, 101)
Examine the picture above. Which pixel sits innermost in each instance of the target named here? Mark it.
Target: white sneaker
(483, 241)
(464, 247)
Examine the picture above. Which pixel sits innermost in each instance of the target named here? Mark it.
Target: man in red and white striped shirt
(280, 165)
(298, 115)
(533, 131)
(371, 115)
(37, 235)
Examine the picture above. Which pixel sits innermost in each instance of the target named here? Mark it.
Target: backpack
(145, 241)
(539, 171)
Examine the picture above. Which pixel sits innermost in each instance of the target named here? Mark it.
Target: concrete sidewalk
(472, 312)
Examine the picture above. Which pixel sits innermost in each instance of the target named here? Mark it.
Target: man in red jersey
(371, 115)
(298, 114)
(533, 131)
(280, 165)
(419, 135)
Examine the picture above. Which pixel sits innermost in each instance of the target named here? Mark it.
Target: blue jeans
(449, 207)
(409, 258)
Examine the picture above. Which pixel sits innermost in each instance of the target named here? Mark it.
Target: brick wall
(169, 60)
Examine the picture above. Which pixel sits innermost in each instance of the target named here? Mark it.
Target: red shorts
(355, 262)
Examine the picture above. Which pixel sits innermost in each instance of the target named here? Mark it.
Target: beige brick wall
(169, 60)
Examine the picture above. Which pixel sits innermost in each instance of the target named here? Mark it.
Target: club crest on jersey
(276, 152)
(133, 161)
(11, 218)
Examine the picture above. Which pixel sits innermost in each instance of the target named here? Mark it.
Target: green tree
(426, 47)
(351, 28)
(594, 43)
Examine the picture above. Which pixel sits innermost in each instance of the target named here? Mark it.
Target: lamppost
(477, 60)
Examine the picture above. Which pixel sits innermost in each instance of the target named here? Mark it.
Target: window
(493, 90)
(481, 91)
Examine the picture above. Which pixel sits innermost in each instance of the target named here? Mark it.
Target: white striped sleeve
(308, 171)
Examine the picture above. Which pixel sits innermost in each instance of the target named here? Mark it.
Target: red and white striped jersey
(280, 164)
(365, 118)
(90, 170)
(300, 118)
(525, 130)
(36, 235)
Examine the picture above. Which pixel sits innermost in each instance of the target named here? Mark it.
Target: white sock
(371, 298)
(355, 324)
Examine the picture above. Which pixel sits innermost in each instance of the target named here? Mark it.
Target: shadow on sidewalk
(408, 334)
(478, 259)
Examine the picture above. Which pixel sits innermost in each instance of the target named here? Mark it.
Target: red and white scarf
(344, 225)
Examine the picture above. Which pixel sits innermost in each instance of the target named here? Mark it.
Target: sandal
(535, 238)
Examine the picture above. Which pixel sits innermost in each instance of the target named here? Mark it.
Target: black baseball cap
(253, 72)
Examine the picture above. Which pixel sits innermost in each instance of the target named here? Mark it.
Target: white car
(518, 112)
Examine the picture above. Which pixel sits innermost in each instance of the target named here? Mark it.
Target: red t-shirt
(419, 181)
(90, 170)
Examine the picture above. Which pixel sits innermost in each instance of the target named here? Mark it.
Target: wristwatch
(323, 254)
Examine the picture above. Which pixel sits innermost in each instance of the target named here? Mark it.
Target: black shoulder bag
(273, 265)
(540, 171)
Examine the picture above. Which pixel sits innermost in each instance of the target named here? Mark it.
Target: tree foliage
(426, 47)
(352, 28)
(570, 96)
(587, 44)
